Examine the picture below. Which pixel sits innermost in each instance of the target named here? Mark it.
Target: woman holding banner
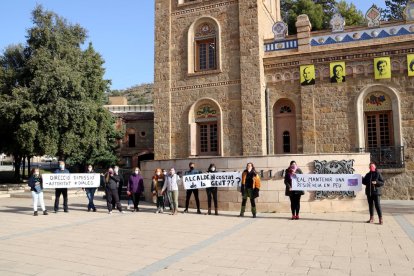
(171, 187)
(35, 184)
(249, 188)
(90, 192)
(373, 182)
(212, 191)
(294, 196)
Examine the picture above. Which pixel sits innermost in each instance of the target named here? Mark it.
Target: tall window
(286, 142)
(131, 140)
(208, 139)
(206, 48)
(206, 54)
(378, 126)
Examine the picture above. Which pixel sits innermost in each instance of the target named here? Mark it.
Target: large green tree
(18, 115)
(394, 9)
(320, 12)
(59, 96)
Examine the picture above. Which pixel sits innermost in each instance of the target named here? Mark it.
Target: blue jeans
(90, 193)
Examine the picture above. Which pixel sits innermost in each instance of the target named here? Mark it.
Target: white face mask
(89, 169)
(158, 173)
(62, 167)
(116, 170)
(136, 172)
(213, 169)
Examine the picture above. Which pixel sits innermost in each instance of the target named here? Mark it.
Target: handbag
(37, 188)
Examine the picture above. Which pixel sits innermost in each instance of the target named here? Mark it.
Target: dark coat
(32, 182)
(113, 182)
(373, 189)
(288, 183)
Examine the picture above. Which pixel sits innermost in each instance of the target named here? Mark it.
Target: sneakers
(254, 215)
(198, 211)
(94, 209)
(66, 211)
(110, 212)
(122, 212)
(45, 213)
(185, 211)
(157, 211)
(35, 213)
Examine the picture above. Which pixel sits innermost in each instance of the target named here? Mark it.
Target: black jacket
(373, 189)
(288, 183)
(113, 182)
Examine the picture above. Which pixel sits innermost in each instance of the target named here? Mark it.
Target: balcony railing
(130, 108)
(386, 157)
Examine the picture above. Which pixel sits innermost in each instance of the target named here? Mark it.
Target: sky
(122, 31)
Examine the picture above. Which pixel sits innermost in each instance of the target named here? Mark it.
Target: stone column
(162, 80)
(304, 27)
(252, 79)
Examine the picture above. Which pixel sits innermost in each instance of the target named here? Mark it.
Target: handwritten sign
(73, 180)
(207, 180)
(327, 182)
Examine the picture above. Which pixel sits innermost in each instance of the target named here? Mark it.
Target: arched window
(204, 45)
(284, 127)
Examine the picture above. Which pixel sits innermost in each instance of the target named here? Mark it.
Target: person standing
(90, 192)
(294, 196)
(36, 187)
(192, 171)
(135, 187)
(171, 187)
(112, 182)
(250, 188)
(156, 189)
(212, 192)
(120, 185)
(61, 191)
(373, 182)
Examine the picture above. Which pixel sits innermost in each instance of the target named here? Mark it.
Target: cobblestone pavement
(144, 243)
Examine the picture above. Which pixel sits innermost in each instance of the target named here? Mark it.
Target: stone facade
(254, 74)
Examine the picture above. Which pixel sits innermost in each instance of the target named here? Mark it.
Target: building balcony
(386, 157)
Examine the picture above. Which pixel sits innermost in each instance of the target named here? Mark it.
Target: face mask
(116, 171)
(62, 167)
(136, 172)
(36, 173)
(192, 167)
(213, 169)
(158, 173)
(89, 169)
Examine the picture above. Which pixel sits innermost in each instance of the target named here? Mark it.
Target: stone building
(229, 83)
(137, 124)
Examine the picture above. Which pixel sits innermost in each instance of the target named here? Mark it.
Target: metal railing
(386, 157)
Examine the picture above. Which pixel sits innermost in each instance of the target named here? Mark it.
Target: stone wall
(272, 194)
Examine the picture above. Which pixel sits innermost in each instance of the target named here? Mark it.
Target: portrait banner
(410, 65)
(207, 180)
(71, 180)
(382, 68)
(337, 72)
(307, 74)
(327, 182)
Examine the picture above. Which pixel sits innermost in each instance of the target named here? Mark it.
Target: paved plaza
(144, 243)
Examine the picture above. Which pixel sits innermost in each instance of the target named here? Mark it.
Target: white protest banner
(327, 182)
(71, 180)
(207, 180)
